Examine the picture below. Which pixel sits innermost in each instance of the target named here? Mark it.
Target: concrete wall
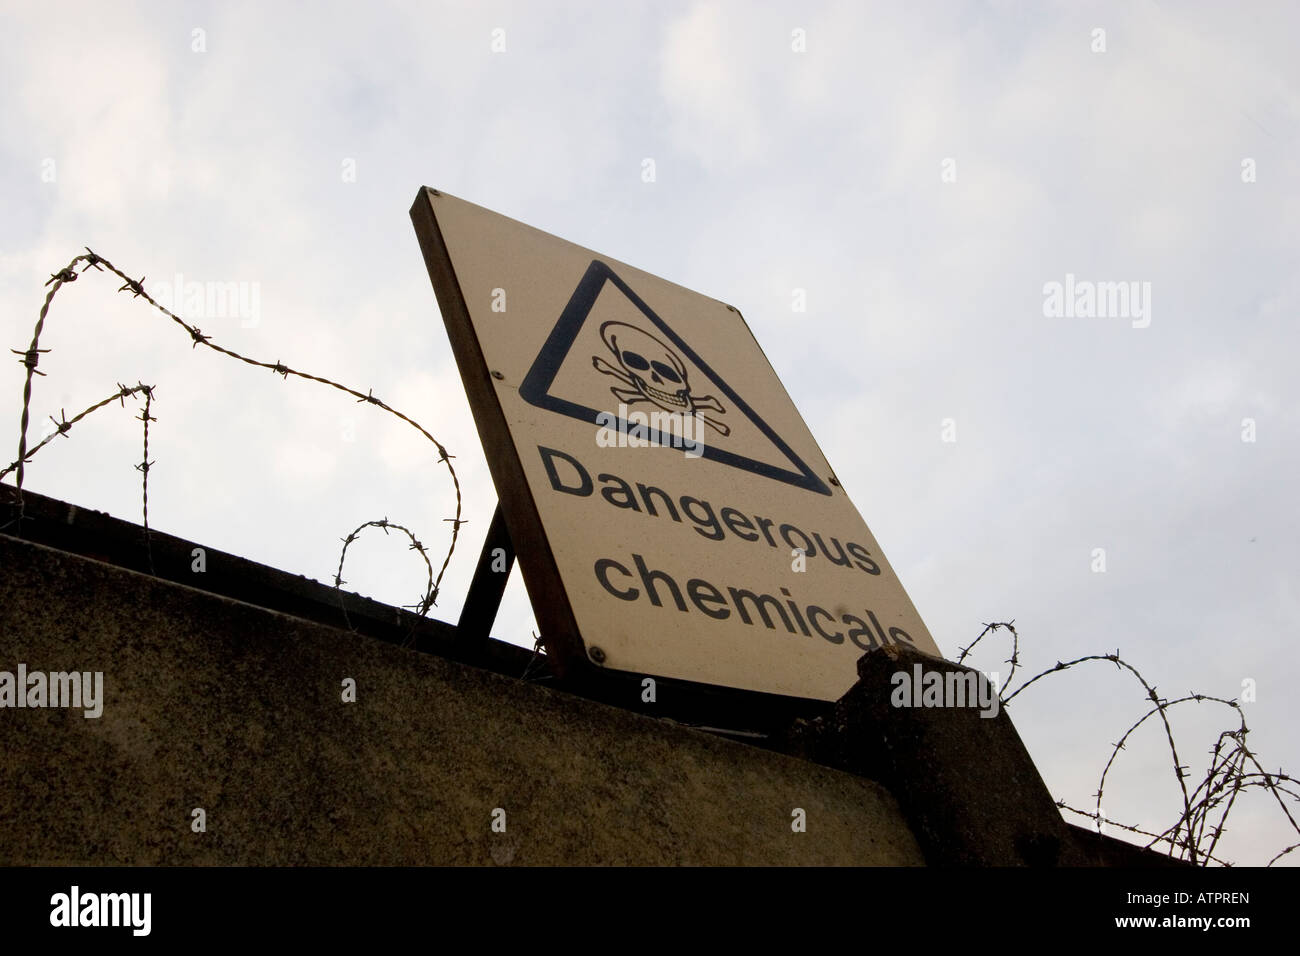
(217, 704)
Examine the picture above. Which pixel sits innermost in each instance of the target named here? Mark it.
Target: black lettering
(708, 521)
(860, 631)
(647, 491)
(695, 585)
(813, 611)
(761, 601)
(548, 459)
(624, 491)
(806, 547)
(858, 551)
(733, 518)
(794, 609)
(884, 641)
(648, 579)
(899, 635)
(602, 575)
(842, 560)
(765, 525)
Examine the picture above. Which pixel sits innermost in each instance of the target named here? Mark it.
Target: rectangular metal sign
(671, 511)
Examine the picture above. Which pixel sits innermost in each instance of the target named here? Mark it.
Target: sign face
(671, 512)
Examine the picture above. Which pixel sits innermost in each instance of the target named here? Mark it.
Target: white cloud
(777, 170)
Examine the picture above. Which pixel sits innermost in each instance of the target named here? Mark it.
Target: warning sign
(673, 396)
(672, 514)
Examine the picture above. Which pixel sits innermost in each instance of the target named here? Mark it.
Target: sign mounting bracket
(488, 585)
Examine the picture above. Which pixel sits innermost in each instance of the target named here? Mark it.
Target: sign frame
(532, 548)
(570, 653)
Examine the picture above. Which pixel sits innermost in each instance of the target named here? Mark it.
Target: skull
(656, 371)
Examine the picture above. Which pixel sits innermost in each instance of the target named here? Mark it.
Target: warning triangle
(644, 364)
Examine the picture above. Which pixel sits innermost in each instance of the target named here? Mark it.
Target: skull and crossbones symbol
(653, 372)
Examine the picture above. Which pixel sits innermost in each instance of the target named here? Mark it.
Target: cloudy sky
(924, 172)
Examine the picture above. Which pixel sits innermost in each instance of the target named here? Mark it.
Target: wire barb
(427, 600)
(30, 358)
(135, 286)
(1192, 837)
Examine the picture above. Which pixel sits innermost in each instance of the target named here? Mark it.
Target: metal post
(488, 584)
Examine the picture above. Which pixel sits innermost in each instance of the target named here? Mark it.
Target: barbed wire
(1195, 808)
(30, 358)
(1224, 780)
(1014, 660)
(1179, 769)
(143, 468)
(1100, 819)
(421, 608)
(1293, 846)
(1228, 767)
(65, 425)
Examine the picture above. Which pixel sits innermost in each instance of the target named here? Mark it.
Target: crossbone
(689, 403)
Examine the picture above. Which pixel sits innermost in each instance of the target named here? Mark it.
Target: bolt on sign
(671, 511)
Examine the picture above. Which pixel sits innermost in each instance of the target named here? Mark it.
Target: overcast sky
(923, 171)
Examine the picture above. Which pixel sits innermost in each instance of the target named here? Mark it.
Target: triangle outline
(535, 388)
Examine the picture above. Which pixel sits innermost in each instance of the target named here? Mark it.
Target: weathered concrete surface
(221, 705)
